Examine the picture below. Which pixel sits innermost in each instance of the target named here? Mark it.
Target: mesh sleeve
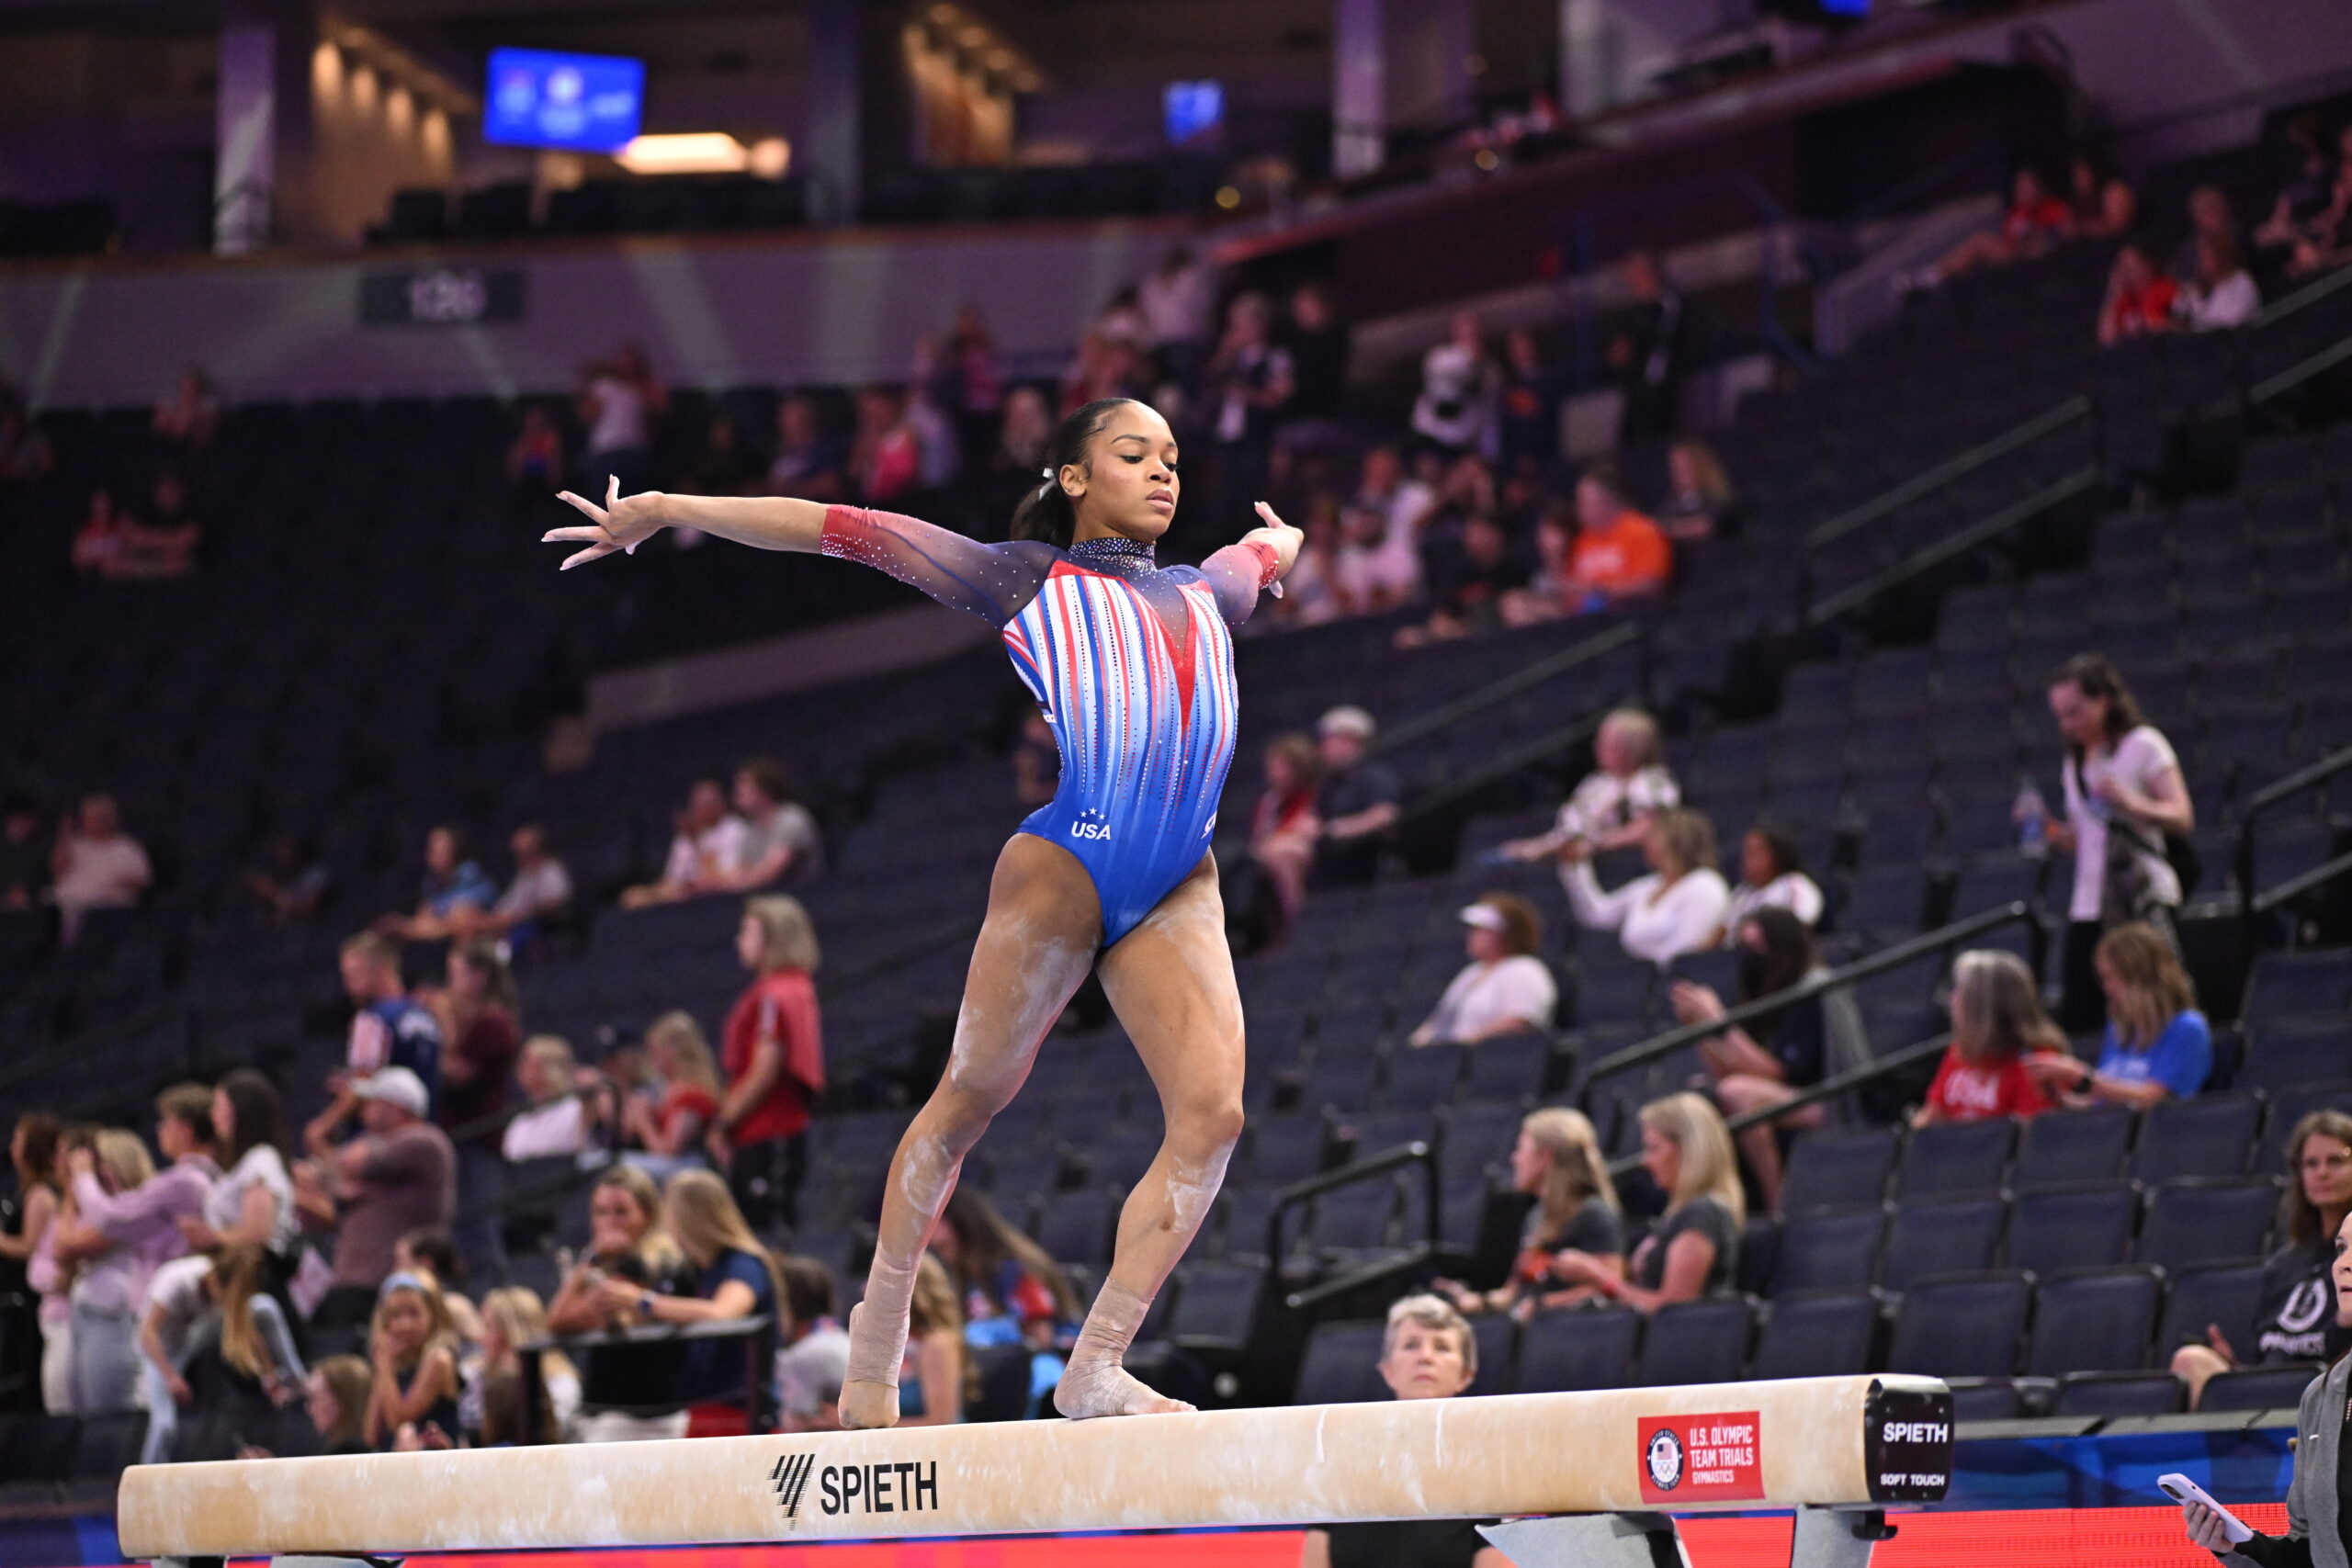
(992, 582)
(1236, 575)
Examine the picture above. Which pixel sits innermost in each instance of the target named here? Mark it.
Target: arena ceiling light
(693, 153)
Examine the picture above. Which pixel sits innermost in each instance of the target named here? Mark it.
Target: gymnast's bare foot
(1106, 1388)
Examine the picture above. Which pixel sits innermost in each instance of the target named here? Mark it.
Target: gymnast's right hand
(621, 524)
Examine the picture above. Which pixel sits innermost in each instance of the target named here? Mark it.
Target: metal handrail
(2078, 407)
(1421, 1151)
(1827, 1089)
(1642, 1052)
(2271, 794)
(2295, 887)
(2081, 482)
(1502, 689)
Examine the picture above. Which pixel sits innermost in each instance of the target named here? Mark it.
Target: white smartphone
(2181, 1489)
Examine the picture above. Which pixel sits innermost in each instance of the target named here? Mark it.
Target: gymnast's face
(1128, 485)
(2343, 1271)
(1425, 1363)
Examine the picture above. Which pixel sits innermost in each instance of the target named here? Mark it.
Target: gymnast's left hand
(1278, 535)
(623, 523)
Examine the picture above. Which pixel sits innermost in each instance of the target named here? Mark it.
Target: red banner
(1688, 1460)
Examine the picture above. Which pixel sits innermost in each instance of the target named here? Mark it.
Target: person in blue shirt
(455, 889)
(2158, 1045)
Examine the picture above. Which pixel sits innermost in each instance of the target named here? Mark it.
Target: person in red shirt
(1619, 553)
(2139, 298)
(1997, 1022)
(670, 1131)
(773, 1056)
(2036, 223)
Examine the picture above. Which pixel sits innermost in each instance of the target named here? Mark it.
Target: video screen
(582, 103)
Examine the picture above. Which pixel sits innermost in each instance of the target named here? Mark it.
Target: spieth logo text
(905, 1487)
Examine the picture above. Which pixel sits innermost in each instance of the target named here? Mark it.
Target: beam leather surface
(1815, 1441)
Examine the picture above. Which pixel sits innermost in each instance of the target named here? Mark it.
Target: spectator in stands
(930, 395)
(290, 881)
(1556, 1161)
(2158, 1046)
(539, 893)
(1176, 299)
(101, 545)
(2103, 205)
(1504, 988)
(114, 545)
(50, 1275)
(111, 1271)
(735, 1279)
(2209, 215)
(1246, 391)
(1460, 385)
(1771, 876)
(32, 1151)
(1402, 502)
(554, 1123)
(1647, 355)
(95, 865)
(430, 1251)
(815, 1356)
(619, 401)
(808, 463)
(707, 850)
(190, 416)
(1357, 801)
(2296, 1318)
(24, 859)
(1020, 453)
(482, 1034)
(1528, 426)
(1611, 805)
(973, 377)
(534, 457)
(399, 1175)
(1676, 906)
(454, 896)
(413, 1356)
(721, 464)
(2036, 223)
(885, 453)
(1311, 591)
(1700, 500)
(252, 1203)
(628, 1245)
(1692, 1249)
(780, 843)
(2125, 797)
(1619, 554)
(1470, 586)
(670, 1131)
(1012, 1291)
(335, 1396)
(239, 1365)
(146, 1218)
(1318, 343)
(2307, 232)
(1283, 831)
(513, 1317)
(1427, 1352)
(1997, 1022)
(2139, 299)
(389, 1028)
(933, 1375)
(2221, 293)
(774, 1058)
(178, 1296)
(1374, 569)
(1782, 1054)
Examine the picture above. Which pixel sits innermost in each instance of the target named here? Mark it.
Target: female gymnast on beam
(1133, 665)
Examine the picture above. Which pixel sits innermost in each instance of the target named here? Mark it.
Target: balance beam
(1811, 1443)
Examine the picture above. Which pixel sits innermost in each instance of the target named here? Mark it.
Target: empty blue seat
(1839, 1170)
(2259, 1388)
(1697, 1341)
(1829, 1249)
(2081, 1227)
(1953, 1159)
(1566, 1351)
(2297, 984)
(1927, 1239)
(2206, 1297)
(1341, 1365)
(1828, 1334)
(2063, 1148)
(2190, 1222)
(2120, 1393)
(1960, 1327)
(2211, 1136)
(2295, 1053)
(1496, 1335)
(2095, 1321)
(1075, 1227)
(1216, 1306)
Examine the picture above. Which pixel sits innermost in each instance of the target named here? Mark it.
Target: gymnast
(1132, 664)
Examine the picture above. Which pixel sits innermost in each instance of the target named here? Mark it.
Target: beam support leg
(1590, 1540)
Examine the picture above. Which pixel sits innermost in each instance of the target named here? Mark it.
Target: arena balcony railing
(2258, 902)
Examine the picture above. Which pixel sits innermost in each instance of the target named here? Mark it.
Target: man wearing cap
(1357, 801)
(398, 1176)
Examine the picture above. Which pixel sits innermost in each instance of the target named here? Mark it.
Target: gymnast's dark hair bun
(1046, 513)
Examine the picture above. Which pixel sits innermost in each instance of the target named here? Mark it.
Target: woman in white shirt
(1504, 988)
(1611, 804)
(1771, 876)
(1677, 908)
(1460, 383)
(557, 1120)
(2223, 294)
(2121, 776)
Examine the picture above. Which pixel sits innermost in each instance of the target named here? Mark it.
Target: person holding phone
(2318, 1510)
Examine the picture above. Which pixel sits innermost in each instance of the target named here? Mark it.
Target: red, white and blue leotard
(1133, 667)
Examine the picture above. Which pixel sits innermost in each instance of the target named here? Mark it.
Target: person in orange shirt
(1619, 553)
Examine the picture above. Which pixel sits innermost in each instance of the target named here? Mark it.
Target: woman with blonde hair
(556, 1123)
(111, 1265)
(413, 1358)
(627, 1245)
(239, 1364)
(733, 1278)
(1504, 988)
(1611, 805)
(1694, 1247)
(1557, 1161)
(1998, 1026)
(671, 1131)
(1699, 499)
(512, 1317)
(1677, 908)
(774, 1053)
(2158, 1046)
(933, 1375)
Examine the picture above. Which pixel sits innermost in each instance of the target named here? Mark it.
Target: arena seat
(1839, 1170)
(2289, 1106)
(2191, 1222)
(1955, 1159)
(2259, 1388)
(1341, 1365)
(1696, 1341)
(1818, 1333)
(1829, 1249)
(2209, 1136)
(1961, 1327)
(2290, 1053)
(2120, 1393)
(1566, 1351)
(2093, 1321)
(2064, 1148)
(2074, 1227)
(1923, 1240)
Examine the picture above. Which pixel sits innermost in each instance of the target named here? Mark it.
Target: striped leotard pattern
(1133, 667)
